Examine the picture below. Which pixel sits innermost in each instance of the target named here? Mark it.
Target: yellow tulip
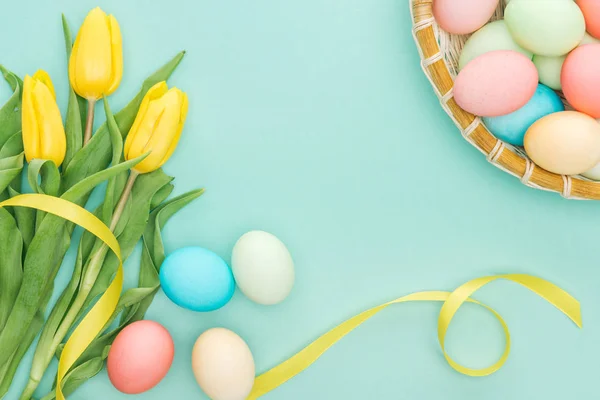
(43, 132)
(157, 127)
(96, 63)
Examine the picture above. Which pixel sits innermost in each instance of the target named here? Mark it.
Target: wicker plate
(439, 53)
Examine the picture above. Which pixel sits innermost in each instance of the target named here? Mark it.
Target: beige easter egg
(223, 365)
(566, 143)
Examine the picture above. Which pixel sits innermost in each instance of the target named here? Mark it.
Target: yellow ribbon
(93, 323)
(452, 302)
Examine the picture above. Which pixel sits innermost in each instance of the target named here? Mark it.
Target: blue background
(312, 120)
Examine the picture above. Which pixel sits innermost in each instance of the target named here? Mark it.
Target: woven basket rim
(503, 155)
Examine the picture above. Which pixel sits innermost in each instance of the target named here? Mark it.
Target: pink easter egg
(591, 12)
(140, 357)
(463, 16)
(580, 79)
(496, 83)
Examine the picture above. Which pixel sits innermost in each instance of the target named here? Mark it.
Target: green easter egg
(493, 36)
(549, 69)
(547, 28)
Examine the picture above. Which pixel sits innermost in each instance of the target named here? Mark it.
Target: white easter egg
(263, 267)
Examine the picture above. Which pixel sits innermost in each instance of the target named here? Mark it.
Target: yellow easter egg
(566, 143)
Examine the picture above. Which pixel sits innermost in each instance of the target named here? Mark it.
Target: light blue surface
(197, 279)
(312, 120)
(512, 127)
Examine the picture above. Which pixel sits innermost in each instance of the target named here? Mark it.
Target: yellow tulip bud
(96, 63)
(157, 127)
(43, 132)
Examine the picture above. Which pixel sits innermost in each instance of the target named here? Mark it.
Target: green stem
(123, 200)
(89, 124)
(41, 361)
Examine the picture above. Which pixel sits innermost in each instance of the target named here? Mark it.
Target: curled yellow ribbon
(452, 302)
(93, 323)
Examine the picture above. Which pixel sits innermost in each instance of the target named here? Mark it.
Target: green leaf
(25, 220)
(10, 169)
(116, 140)
(43, 258)
(97, 153)
(13, 146)
(11, 142)
(11, 162)
(78, 376)
(43, 177)
(10, 113)
(11, 269)
(82, 188)
(73, 122)
(161, 195)
(41, 358)
(8, 372)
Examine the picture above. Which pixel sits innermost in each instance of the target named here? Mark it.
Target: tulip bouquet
(68, 161)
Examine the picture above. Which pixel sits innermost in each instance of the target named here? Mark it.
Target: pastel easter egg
(549, 69)
(580, 79)
(546, 28)
(493, 36)
(496, 83)
(512, 127)
(463, 16)
(566, 143)
(223, 365)
(197, 279)
(140, 357)
(591, 12)
(263, 267)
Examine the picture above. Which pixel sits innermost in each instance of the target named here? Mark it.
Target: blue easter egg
(197, 279)
(511, 128)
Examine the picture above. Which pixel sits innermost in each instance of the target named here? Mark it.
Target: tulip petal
(52, 139)
(30, 126)
(73, 64)
(164, 132)
(175, 141)
(93, 66)
(147, 128)
(155, 92)
(42, 77)
(116, 55)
